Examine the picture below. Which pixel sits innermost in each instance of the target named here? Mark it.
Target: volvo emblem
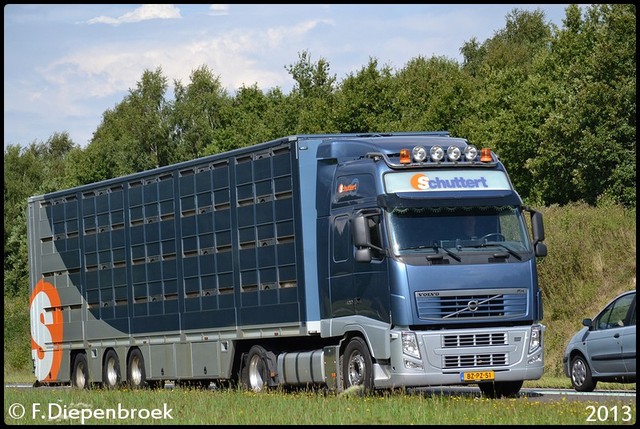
(472, 305)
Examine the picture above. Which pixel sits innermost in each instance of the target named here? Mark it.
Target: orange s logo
(420, 182)
(46, 331)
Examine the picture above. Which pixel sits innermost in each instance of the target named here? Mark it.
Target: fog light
(412, 365)
(535, 359)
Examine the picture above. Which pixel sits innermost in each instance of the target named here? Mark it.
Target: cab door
(341, 266)
(372, 297)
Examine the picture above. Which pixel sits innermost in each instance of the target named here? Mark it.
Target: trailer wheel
(136, 376)
(80, 372)
(358, 367)
(499, 389)
(111, 370)
(255, 371)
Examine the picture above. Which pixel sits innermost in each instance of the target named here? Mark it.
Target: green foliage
(587, 144)
(17, 334)
(592, 258)
(197, 114)
(364, 101)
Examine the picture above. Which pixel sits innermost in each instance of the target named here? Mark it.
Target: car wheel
(581, 378)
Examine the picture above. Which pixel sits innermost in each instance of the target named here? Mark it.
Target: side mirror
(538, 226)
(588, 323)
(360, 230)
(363, 255)
(541, 249)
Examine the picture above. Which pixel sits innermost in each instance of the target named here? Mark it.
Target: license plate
(477, 376)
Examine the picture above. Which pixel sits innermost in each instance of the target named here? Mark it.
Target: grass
(233, 407)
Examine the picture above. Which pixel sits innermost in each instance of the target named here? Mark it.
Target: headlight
(536, 338)
(410, 345)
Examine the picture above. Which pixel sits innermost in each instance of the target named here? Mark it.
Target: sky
(66, 65)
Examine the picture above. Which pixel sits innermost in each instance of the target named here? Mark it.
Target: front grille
(474, 361)
(471, 304)
(475, 340)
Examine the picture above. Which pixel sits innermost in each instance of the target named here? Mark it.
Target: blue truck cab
(422, 244)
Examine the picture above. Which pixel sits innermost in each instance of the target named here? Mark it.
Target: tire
(255, 371)
(357, 367)
(80, 372)
(500, 389)
(111, 370)
(136, 375)
(581, 378)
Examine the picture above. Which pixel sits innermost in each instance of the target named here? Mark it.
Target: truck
(369, 262)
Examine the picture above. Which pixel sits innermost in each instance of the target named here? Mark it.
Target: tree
(134, 136)
(587, 145)
(34, 170)
(364, 101)
(312, 94)
(506, 106)
(197, 114)
(431, 95)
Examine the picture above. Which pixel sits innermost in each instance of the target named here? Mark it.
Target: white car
(605, 349)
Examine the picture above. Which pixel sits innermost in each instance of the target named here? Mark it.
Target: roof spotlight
(419, 154)
(437, 153)
(470, 152)
(453, 153)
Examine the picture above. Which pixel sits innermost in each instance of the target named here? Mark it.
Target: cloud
(278, 35)
(219, 9)
(143, 13)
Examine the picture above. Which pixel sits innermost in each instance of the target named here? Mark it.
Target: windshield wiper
(436, 246)
(511, 251)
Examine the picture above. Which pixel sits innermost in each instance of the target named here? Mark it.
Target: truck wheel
(499, 389)
(581, 377)
(358, 366)
(111, 370)
(136, 376)
(255, 372)
(80, 372)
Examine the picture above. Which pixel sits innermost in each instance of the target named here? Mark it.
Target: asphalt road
(537, 394)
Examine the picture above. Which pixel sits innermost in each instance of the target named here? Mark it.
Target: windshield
(430, 230)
